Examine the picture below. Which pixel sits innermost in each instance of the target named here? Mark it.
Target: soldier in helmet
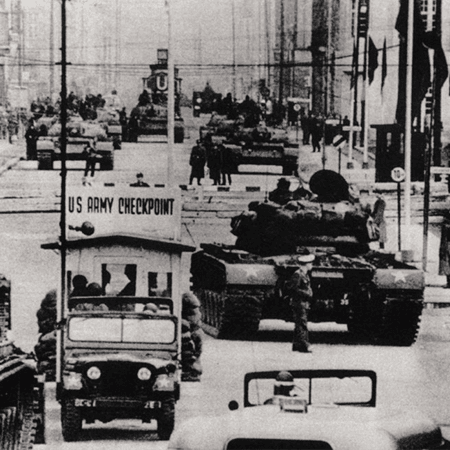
(298, 289)
(283, 387)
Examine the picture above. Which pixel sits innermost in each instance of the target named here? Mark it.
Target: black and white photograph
(224, 224)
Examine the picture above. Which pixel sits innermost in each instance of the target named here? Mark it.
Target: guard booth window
(119, 279)
(160, 284)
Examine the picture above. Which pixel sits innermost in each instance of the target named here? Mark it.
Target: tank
(255, 145)
(379, 298)
(151, 119)
(79, 134)
(21, 389)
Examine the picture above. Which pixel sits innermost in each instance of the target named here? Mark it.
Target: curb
(9, 164)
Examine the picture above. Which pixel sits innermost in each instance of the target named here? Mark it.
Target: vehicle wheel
(240, 317)
(364, 315)
(166, 419)
(45, 160)
(107, 162)
(179, 136)
(401, 322)
(71, 421)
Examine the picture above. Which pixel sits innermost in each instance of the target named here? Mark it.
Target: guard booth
(390, 153)
(117, 235)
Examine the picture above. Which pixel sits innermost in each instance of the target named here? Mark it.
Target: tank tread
(241, 317)
(18, 423)
(401, 322)
(227, 316)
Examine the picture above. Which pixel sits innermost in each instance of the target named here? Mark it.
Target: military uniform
(298, 288)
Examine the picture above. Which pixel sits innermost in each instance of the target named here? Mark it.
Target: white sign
(348, 128)
(141, 211)
(398, 174)
(339, 141)
(440, 170)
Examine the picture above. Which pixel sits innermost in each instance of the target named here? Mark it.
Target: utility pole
(233, 25)
(408, 124)
(63, 243)
(52, 49)
(267, 29)
(280, 93)
(118, 45)
(170, 99)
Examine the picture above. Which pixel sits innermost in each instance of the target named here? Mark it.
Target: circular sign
(297, 107)
(398, 174)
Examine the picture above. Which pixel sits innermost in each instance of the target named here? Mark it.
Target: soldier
(197, 162)
(139, 181)
(281, 194)
(298, 289)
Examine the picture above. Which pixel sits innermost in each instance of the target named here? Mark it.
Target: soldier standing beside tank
(298, 289)
(214, 163)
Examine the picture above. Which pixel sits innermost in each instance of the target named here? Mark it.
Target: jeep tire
(71, 421)
(166, 419)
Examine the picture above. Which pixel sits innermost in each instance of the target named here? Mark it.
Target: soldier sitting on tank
(281, 194)
(93, 290)
(301, 193)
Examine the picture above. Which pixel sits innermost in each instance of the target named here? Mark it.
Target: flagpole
(408, 125)
(354, 88)
(365, 164)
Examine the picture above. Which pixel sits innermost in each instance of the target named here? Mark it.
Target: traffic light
(363, 21)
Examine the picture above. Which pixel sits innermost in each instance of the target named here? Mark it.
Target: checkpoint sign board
(398, 174)
(143, 211)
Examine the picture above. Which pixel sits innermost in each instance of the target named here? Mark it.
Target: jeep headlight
(144, 374)
(72, 381)
(94, 373)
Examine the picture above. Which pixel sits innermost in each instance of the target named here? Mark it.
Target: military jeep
(120, 362)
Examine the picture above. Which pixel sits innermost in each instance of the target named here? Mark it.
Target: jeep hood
(156, 359)
(341, 427)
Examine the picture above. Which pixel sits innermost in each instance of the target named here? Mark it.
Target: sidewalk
(10, 154)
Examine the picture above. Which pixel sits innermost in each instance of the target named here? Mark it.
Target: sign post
(398, 175)
(297, 109)
(339, 141)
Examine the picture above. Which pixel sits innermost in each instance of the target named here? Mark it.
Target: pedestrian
(444, 249)
(214, 161)
(282, 193)
(91, 157)
(229, 164)
(298, 289)
(140, 181)
(197, 162)
(316, 133)
(31, 137)
(305, 124)
(378, 217)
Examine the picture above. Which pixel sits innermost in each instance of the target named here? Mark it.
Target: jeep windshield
(122, 330)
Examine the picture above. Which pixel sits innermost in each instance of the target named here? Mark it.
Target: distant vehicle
(79, 134)
(253, 146)
(204, 102)
(319, 410)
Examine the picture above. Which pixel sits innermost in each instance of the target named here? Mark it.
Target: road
(412, 377)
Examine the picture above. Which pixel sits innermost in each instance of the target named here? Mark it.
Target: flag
(432, 40)
(373, 60)
(421, 62)
(383, 65)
